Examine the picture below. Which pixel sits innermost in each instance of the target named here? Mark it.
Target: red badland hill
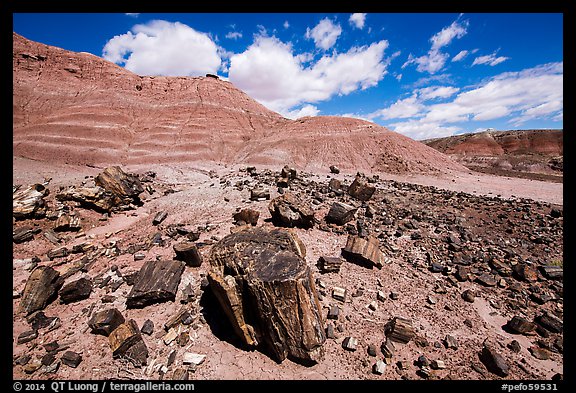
(79, 108)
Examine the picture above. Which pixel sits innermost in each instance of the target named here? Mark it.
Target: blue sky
(424, 75)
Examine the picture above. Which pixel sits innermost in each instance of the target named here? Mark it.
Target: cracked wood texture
(266, 289)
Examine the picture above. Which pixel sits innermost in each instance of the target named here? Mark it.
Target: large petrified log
(41, 287)
(124, 186)
(365, 252)
(113, 188)
(29, 202)
(287, 210)
(266, 289)
(157, 281)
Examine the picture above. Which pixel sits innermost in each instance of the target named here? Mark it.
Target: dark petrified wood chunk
(156, 282)
(400, 330)
(126, 342)
(340, 213)
(41, 288)
(104, 322)
(360, 189)
(76, 290)
(287, 210)
(188, 253)
(365, 251)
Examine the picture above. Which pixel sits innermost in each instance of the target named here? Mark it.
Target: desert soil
(205, 196)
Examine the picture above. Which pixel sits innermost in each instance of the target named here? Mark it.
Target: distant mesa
(78, 108)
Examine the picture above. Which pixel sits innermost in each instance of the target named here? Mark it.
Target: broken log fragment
(41, 288)
(29, 202)
(127, 342)
(156, 282)
(329, 264)
(159, 217)
(247, 216)
(104, 322)
(75, 291)
(124, 186)
(364, 251)
(340, 213)
(266, 289)
(360, 189)
(400, 330)
(287, 210)
(22, 235)
(188, 253)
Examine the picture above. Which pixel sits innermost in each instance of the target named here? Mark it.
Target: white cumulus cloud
(357, 20)
(324, 34)
(435, 59)
(516, 97)
(164, 48)
(273, 74)
(490, 59)
(233, 35)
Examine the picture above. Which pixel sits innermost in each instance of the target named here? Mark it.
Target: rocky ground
(470, 270)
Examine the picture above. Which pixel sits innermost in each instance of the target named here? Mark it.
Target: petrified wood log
(41, 287)
(126, 341)
(76, 290)
(106, 321)
(29, 201)
(92, 197)
(360, 189)
(340, 213)
(188, 253)
(400, 330)
(156, 282)
(247, 216)
(287, 210)
(363, 251)
(125, 187)
(266, 289)
(22, 235)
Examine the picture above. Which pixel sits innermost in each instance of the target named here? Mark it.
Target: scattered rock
(287, 210)
(259, 194)
(22, 235)
(552, 272)
(126, 342)
(379, 367)
(400, 330)
(334, 312)
(350, 343)
(539, 353)
(550, 322)
(41, 288)
(71, 359)
(450, 342)
(334, 169)
(29, 202)
(329, 264)
(157, 282)
(147, 327)
(193, 358)
(27, 336)
(339, 294)
(106, 321)
(159, 217)
(469, 295)
(494, 362)
(515, 346)
(75, 291)
(340, 213)
(371, 350)
(487, 279)
(525, 273)
(437, 364)
(363, 251)
(188, 253)
(360, 189)
(248, 216)
(67, 222)
(521, 325)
